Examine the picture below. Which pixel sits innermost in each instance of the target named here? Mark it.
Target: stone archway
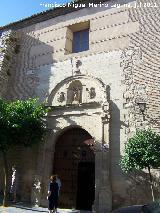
(87, 109)
(74, 162)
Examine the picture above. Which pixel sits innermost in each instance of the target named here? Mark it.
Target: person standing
(13, 189)
(53, 194)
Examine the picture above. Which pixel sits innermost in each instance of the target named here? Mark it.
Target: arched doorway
(74, 162)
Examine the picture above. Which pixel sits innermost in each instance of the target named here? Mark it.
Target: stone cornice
(49, 14)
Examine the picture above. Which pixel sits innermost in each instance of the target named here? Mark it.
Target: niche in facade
(74, 92)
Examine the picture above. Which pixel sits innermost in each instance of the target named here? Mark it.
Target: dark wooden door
(85, 185)
(73, 147)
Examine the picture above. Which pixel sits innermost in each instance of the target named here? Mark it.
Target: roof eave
(46, 15)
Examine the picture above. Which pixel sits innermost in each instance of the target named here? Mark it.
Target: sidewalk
(22, 209)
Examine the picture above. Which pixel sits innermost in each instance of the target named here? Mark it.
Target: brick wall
(146, 74)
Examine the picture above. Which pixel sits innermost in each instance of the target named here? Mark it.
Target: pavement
(19, 208)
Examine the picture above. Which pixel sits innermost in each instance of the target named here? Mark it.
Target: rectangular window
(80, 41)
(77, 37)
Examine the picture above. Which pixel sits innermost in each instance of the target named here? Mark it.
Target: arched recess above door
(77, 90)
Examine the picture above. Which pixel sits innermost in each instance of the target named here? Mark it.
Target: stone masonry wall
(41, 63)
(141, 79)
(8, 49)
(146, 74)
(44, 43)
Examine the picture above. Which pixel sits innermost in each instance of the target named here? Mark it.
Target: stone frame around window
(70, 34)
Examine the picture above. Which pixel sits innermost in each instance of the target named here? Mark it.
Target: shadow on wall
(116, 173)
(32, 61)
(24, 83)
(132, 188)
(138, 188)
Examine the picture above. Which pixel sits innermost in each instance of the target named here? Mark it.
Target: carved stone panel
(77, 90)
(61, 97)
(92, 93)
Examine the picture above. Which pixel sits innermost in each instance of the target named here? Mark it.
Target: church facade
(93, 66)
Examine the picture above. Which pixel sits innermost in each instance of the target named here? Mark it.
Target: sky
(14, 10)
